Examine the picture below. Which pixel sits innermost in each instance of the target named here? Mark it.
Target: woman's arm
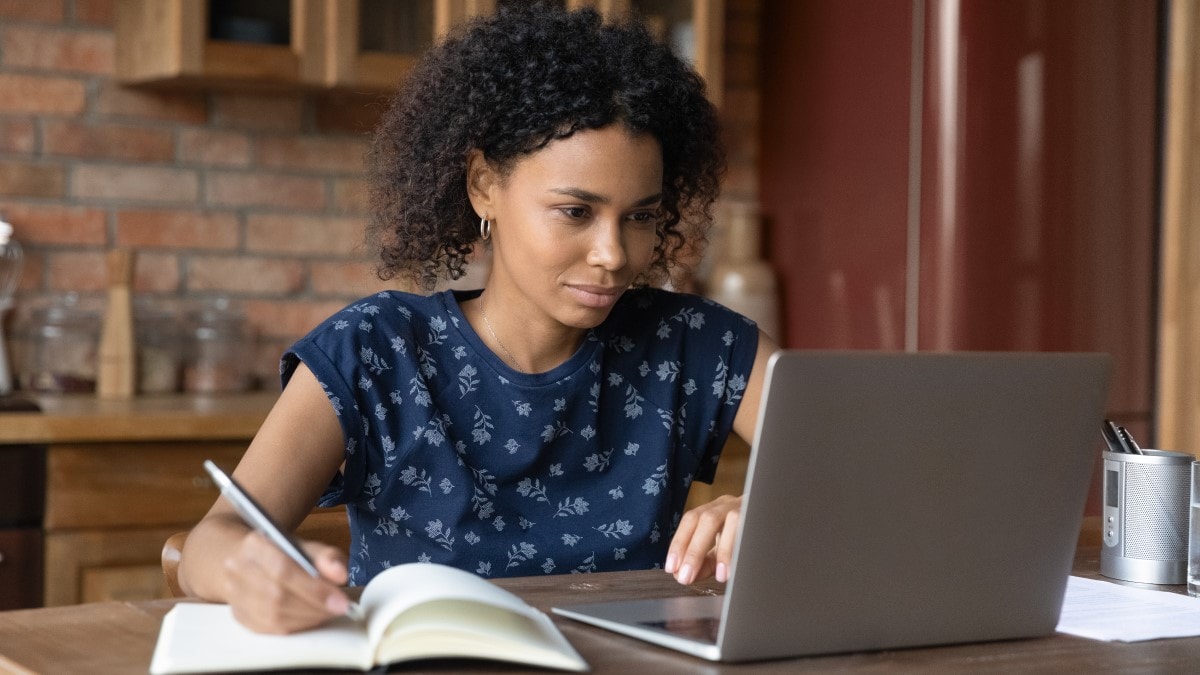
(703, 543)
(289, 463)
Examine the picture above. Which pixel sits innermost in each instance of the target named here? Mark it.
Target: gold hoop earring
(485, 229)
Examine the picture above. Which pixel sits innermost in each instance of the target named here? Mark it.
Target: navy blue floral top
(453, 457)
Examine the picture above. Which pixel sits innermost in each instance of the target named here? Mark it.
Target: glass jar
(220, 346)
(11, 259)
(160, 349)
(56, 347)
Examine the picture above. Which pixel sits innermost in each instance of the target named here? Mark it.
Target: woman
(553, 421)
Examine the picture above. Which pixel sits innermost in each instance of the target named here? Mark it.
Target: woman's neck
(520, 335)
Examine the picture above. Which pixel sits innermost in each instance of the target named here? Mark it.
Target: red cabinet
(948, 175)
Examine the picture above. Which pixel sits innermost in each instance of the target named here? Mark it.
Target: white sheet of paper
(1101, 610)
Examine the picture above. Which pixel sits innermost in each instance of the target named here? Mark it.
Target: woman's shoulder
(651, 307)
(382, 332)
(407, 304)
(393, 305)
(386, 312)
(651, 323)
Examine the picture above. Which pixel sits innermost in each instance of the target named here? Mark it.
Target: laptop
(896, 500)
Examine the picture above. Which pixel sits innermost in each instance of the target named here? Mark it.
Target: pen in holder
(1145, 524)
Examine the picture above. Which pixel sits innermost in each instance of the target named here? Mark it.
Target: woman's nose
(608, 247)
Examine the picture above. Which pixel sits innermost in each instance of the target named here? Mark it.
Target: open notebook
(896, 500)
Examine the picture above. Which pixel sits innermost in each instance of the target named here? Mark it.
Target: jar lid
(67, 308)
(220, 310)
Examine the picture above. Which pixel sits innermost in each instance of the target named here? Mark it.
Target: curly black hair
(508, 85)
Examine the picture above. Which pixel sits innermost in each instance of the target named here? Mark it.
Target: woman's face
(573, 225)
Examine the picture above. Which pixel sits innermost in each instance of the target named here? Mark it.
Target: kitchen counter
(82, 418)
(112, 480)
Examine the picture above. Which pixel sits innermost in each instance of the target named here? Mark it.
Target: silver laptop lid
(900, 499)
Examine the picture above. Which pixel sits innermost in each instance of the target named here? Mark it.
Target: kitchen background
(254, 196)
(932, 174)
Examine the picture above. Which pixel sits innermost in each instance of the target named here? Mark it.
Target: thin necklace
(512, 360)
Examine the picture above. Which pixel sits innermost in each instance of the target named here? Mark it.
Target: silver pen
(255, 517)
(1127, 437)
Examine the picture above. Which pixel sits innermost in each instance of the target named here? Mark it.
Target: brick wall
(250, 196)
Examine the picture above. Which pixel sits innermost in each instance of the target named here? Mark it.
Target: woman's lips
(596, 296)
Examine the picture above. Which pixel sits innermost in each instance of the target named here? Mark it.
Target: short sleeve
(358, 360)
(720, 364)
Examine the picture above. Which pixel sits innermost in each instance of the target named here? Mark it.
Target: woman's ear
(481, 179)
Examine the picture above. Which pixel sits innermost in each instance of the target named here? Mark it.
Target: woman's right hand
(270, 593)
(292, 459)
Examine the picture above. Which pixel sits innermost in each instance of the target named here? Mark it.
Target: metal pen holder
(1145, 522)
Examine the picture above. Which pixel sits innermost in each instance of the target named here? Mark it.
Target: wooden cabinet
(105, 485)
(371, 44)
(22, 490)
(695, 30)
(20, 567)
(284, 44)
(358, 45)
(96, 565)
(110, 507)
(169, 42)
(118, 478)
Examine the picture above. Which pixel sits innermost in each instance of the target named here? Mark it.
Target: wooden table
(117, 637)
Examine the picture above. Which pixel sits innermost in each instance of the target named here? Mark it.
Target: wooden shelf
(165, 43)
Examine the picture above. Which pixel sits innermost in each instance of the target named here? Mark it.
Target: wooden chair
(324, 525)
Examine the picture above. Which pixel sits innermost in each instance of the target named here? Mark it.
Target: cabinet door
(124, 564)
(122, 583)
(97, 565)
(362, 45)
(695, 30)
(20, 568)
(132, 484)
(22, 471)
(372, 44)
(261, 43)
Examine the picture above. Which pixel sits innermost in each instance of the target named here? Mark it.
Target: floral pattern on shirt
(453, 457)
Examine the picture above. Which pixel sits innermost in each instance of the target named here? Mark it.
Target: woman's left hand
(703, 545)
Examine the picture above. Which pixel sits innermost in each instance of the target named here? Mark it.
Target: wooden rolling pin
(116, 376)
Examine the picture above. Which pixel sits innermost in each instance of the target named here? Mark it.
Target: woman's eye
(643, 217)
(574, 212)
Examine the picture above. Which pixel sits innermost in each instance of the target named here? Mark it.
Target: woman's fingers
(270, 593)
(328, 560)
(724, 558)
(696, 549)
